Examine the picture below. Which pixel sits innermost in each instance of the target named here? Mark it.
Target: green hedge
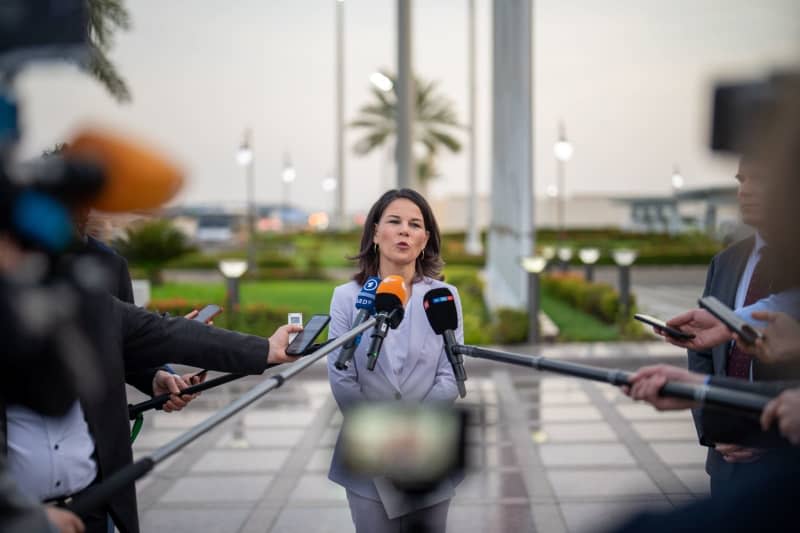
(256, 319)
(597, 299)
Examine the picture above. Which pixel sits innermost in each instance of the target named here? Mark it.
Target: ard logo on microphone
(371, 285)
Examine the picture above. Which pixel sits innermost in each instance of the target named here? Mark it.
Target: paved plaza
(546, 454)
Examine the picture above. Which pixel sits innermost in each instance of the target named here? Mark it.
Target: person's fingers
(764, 316)
(626, 390)
(681, 319)
(191, 314)
(769, 413)
(172, 385)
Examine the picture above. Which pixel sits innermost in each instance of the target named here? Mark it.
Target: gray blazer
(722, 281)
(426, 376)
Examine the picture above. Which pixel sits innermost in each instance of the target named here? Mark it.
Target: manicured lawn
(575, 325)
(305, 296)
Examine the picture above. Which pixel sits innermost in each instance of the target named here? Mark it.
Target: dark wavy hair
(430, 265)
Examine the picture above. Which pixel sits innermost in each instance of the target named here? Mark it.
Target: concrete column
(511, 228)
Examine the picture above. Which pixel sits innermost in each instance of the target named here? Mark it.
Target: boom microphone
(136, 177)
(365, 303)
(440, 307)
(390, 300)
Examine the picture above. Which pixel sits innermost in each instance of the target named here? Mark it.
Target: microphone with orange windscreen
(390, 301)
(136, 176)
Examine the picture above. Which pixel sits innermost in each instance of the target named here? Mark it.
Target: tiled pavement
(547, 454)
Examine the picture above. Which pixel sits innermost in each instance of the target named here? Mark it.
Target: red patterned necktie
(759, 288)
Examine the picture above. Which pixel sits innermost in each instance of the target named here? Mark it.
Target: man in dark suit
(92, 440)
(735, 279)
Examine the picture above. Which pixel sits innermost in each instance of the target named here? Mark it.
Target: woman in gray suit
(401, 238)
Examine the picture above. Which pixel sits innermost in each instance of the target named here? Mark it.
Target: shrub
(510, 326)
(151, 245)
(597, 299)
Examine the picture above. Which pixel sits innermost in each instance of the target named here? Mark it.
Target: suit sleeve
(444, 387)
(344, 383)
(141, 379)
(765, 388)
(150, 340)
(702, 362)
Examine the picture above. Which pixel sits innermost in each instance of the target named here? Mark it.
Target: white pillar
(511, 229)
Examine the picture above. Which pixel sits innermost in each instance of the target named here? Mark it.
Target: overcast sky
(630, 78)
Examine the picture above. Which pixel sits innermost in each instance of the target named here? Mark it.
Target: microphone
(136, 177)
(389, 302)
(365, 303)
(440, 307)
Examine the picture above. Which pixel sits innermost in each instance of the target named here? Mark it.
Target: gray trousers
(369, 516)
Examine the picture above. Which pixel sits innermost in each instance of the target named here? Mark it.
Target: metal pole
(251, 208)
(561, 199)
(121, 479)
(624, 290)
(534, 330)
(254, 394)
(405, 97)
(473, 242)
(720, 396)
(589, 273)
(339, 211)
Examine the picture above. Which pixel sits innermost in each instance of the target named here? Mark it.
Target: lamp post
(245, 157)
(589, 257)
(339, 208)
(232, 270)
(329, 185)
(534, 267)
(472, 241)
(564, 256)
(624, 258)
(563, 151)
(288, 175)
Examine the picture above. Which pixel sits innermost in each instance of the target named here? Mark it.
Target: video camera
(46, 277)
(743, 111)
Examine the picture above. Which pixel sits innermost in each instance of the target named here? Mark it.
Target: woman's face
(400, 233)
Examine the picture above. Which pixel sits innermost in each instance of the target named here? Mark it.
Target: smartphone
(660, 324)
(200, 374)
(305, 338)
(294, 319)
(746, 332)
(207, 313)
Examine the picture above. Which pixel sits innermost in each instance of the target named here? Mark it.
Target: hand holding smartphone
(725, 314)
(207, 313)
(660, 324)
(305, 338)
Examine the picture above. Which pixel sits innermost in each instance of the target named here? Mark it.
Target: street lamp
(232, 270)
(589, 257)
(534, 267)
(245, 157)
(563, 151)
(677, 179)
(381, 81)
(329, 185)
(564, 255)
(624, 258)
(288, 175)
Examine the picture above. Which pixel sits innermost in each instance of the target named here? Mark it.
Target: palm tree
(105, 17)
(435, 123)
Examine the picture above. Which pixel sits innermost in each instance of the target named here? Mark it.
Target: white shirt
(785, 302)
(49, 457)
(747, 275)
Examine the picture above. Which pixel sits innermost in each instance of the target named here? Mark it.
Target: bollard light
(589, 256)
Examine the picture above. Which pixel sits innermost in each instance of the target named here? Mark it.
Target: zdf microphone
(390, 300)
(365, 303)
(440, 308)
